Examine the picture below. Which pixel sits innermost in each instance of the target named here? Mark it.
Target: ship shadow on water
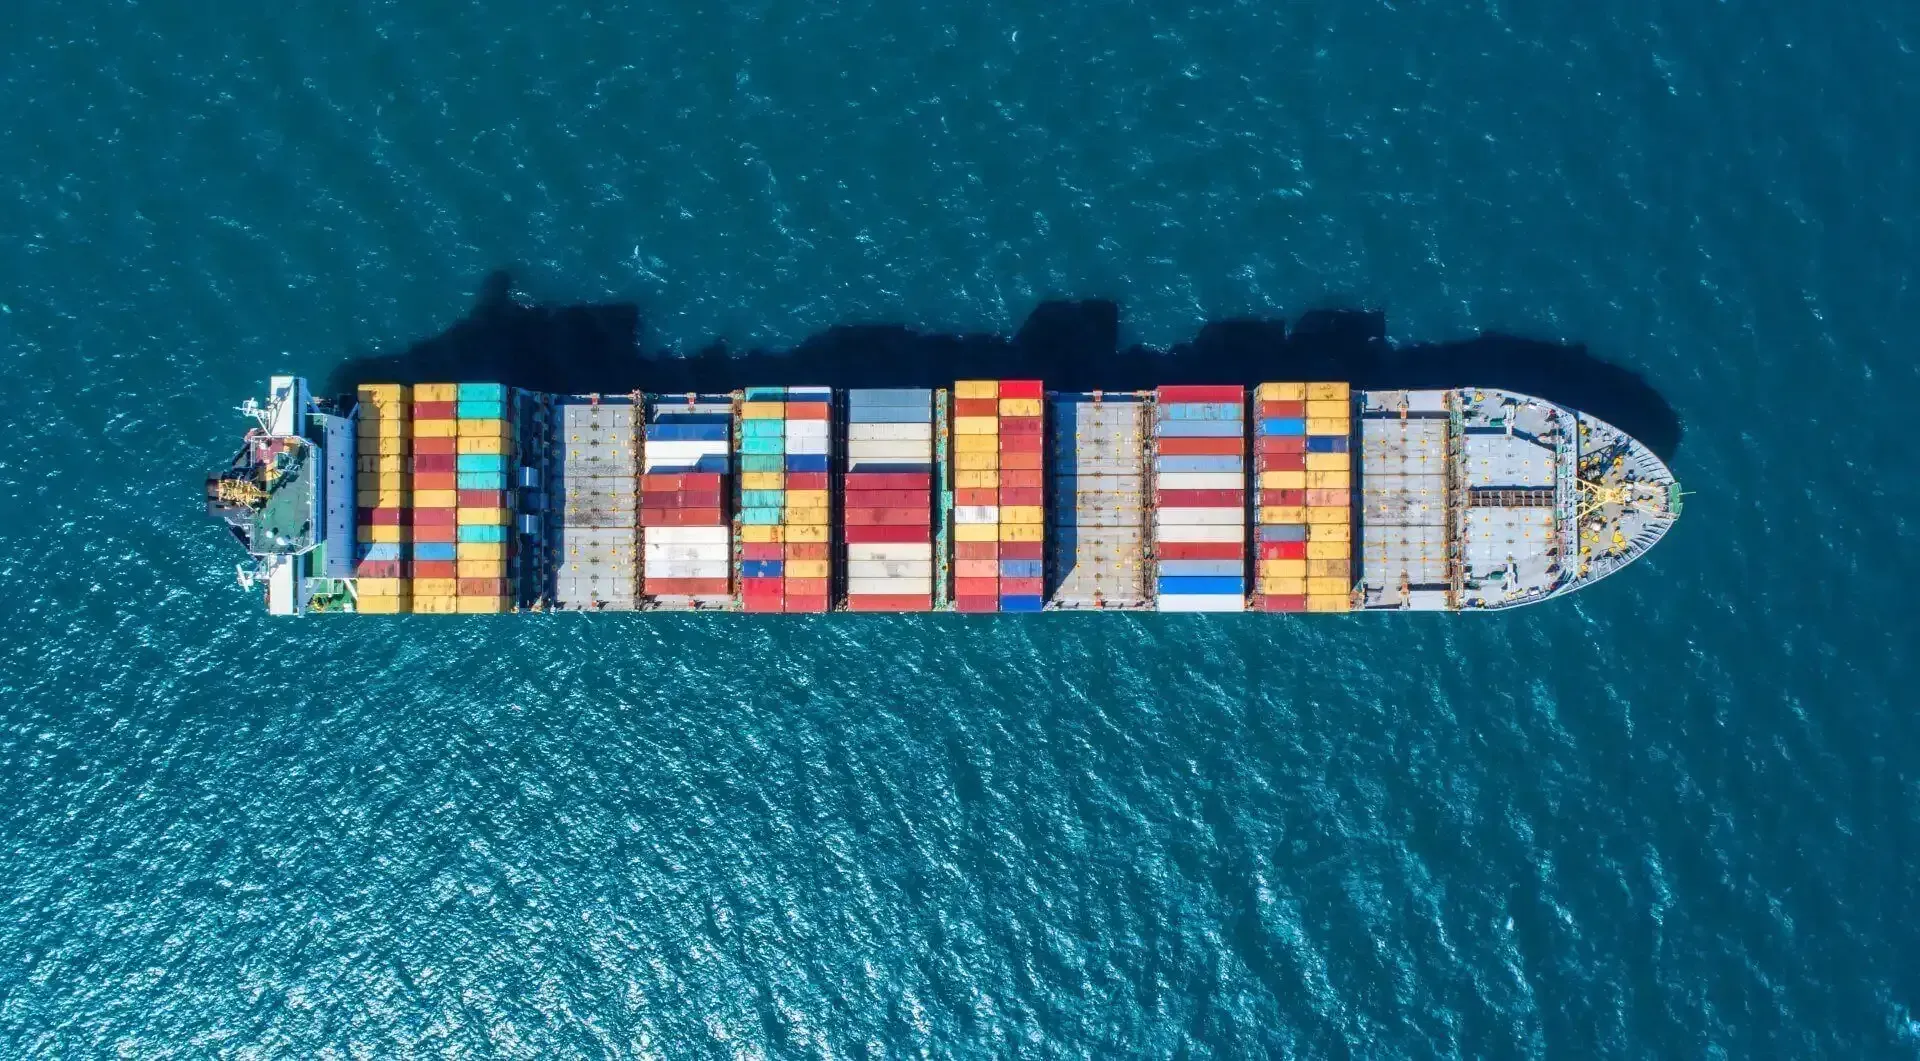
(1072, 345)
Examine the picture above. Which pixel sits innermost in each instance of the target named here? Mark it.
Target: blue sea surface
(1675, 816)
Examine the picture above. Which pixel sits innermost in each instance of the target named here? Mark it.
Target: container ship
(988, 496)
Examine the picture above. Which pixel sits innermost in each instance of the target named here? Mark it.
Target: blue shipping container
(1171, 585)
(1283, 425)
(480, 411)
(480, 392)
(434, 551)
(762, 498)
(481, 462)
(480, 481)
(761, 568)
(1020, 569)
(1020, 604)
(766, 394)
(472, 533)
(761, 516)
(1284, 532)
(763, 428)
(806, 462)
(1326, 443)
(760, 462)
(890, 415)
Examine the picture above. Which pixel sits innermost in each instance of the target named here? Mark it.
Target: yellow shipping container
(763, 410)
(1019, 407)
(1282, 392)
(480, 551)
(976, 425)
(1023, 532)
(810, 516)
(1340, 480)
(435, 498)
(385, 447)
(1330, 569)
(377, 463)
(1283, 480)
(379, 534)
(1320, 392)
(1283, 514)
(1328, 425)
(1328, 587)
(381, 605)
(436, 392)
(977, 388)
(763, 481)
(976, 462)
(1324, 514)
(805, 569)
(1330, 532)
(807, 499)
(760, 533)
(976, 480)
(1330, 603)
(481, 517)
(381, 587)
(1329, 409)
(385, 393)
(810, 534)
(381, 428)
(975, 532)
(976, 444)
(371, 411)
(484, 428)
(480, 568)
(1282, 586)
(1328, 462)
(442, 605)
(483, 605)
(380, 498)
(1021, 514)
(1283, 568)
(392, 480)
(489, 446)
(435, 587)
(436, 429)
(1329, 550)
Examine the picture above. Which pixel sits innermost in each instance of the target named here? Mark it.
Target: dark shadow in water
(1071, 345)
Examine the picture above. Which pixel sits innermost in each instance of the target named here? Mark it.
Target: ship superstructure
(987, 496)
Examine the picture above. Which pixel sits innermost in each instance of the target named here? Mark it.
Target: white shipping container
(888, 432)
(807, 429)
(1202, 532)
(890, 450)
(890, 551)
(890, 569)
(976, 513)
(676, 551)
(688, 535)
(1201, 602)
(1202, 481)
(889, 585)
(809, 445)
(686, 569)
(1168, 517)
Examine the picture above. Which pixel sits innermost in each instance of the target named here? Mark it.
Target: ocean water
(1675, 816)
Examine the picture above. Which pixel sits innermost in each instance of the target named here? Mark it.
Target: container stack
(999, 514)
(763, 499)
(687, 535)
(806, 526)
(1329, 498)
(600, 513)
(436, 575)
(380, 498)
(887, 508)
(1280, 462)
(1200, 520)
(483, 446)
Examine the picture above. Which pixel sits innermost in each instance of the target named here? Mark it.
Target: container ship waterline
(988, 496)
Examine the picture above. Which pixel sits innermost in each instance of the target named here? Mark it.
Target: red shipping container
(1200, 498)
(435, 462)
(806, 480)
(1022, 443)
(976, 407)
(890, 602)
(875, 534)
(1020, 587)
(976, 604)
(1283, 410)
(764, 605)
(1201, 393)
(888, 517)
(1022, 427)
(761, 551)
(974, 496)
(1022, 478)
(1200, 550)
(436, 569)
(976, 550)
(1022, 550)
(482, 498)
(750, 588)
(433, 517)
(1283, 604)
(808, 551)
(812, 604)
(436, 481)
(683, 499)
(1282, 444)
(1022, 388)
(436, 446)
(1020, 462)
(1022, 496)
(686, 587)
(806, 587)
(1201, 447)
(1292, 498)
(444, 533)
(975, 568)
(378, 569)
(1282, 462)
(1283, 550)
(888, 481)
(383, 517)
(433, 410)
(481, 587)
(807, 410)
(886, 499)
(675, 482)
(976, 587)
(1329, 498)
(680, 517)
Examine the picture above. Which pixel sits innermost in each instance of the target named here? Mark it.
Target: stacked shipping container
(598, 469)
(1329, 498)
(1099, 467)
(1305, 497)
(807, 525)
(1200, 493)
(435, 498)
(686, 548)
(380, 500)
(483, 451)
(999, 515)
(887, 503)
(762, 453)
